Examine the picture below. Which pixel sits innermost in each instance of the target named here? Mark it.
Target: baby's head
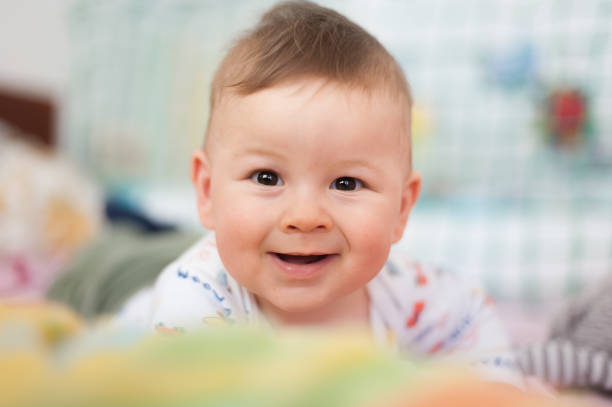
(305, 175)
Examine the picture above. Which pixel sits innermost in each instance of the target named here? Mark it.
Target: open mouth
(301, 259)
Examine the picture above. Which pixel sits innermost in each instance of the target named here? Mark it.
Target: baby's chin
(314, 307)
(293, 309)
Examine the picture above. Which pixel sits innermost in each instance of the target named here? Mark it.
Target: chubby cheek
(240, 226)
(237, 216)
(369, 236)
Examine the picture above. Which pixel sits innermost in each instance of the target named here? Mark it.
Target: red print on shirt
(416, 312)
(421, 278)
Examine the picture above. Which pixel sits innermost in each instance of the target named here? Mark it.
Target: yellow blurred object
(421, 124)
(22, 373)
(111, 366)
(217, 322)
(51, 323)
(66, 227)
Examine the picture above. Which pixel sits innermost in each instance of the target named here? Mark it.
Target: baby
(305, 178)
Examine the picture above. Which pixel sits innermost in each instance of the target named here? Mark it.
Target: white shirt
(418, 310)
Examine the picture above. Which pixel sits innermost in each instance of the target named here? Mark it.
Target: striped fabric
(564, 364)
(579, 351)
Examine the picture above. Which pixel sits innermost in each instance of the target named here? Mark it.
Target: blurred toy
(36, 325)
(46, 205)
(511, 67)
(47, 211)
(422, 124)
(566, 118)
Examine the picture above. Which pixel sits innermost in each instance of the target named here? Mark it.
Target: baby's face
(306, 186)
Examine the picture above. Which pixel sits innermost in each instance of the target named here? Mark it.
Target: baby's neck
(352, 310)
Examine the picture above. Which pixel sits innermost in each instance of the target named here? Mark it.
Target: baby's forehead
(312, 91)
(373, 89)
(334, 99)
(306, 93)
(347, 114)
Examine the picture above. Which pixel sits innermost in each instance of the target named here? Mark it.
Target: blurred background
(512, 133)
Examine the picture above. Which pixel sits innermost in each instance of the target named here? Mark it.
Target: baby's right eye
(266, 177)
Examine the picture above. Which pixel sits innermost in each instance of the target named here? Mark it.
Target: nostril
(304, 221)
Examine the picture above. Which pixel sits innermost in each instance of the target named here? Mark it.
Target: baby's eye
(346, 184)
(267, 177)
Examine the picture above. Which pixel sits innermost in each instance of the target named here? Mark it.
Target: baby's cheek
(372, 240)
(239, 235)
(243, 224)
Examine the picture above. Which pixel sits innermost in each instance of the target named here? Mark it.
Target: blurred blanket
(119, 262)
(49, 358)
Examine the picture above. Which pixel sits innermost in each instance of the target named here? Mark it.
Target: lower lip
(302, 271)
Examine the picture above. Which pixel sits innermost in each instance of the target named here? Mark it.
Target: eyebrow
(355, 163)
(260, 151)
(342, 164)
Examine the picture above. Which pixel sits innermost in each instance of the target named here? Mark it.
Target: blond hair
(298, 39)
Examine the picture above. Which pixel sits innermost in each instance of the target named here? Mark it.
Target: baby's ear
(200, 177)
(410, 193)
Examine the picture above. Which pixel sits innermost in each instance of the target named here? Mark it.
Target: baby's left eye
(346, 184)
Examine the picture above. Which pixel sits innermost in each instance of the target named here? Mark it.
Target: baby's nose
(306, 216)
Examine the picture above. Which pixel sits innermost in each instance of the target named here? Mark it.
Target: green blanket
(114, 266)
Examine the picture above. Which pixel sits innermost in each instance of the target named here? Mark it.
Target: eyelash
(358, 184)
(255, 176)
(273, 179)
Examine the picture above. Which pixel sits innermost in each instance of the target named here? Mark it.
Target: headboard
(33, 114)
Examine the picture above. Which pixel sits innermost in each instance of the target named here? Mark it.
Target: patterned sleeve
(436, 313)
(193, 292)
(186, 299)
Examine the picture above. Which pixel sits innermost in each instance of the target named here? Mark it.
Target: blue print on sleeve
(185, 275)
(182, 274)
(392, 269)
(222, 278)
(465, 323)
(423, 334)
(218, 297)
